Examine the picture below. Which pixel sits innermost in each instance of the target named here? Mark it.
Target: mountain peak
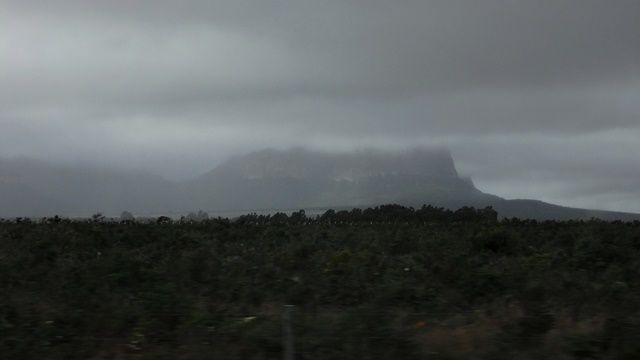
(269, 179)
(299, 163)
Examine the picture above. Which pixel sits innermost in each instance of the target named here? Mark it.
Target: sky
(535, 99)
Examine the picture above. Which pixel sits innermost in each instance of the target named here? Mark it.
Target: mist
(533, 99)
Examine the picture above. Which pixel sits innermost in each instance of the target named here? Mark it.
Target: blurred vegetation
(383, 283)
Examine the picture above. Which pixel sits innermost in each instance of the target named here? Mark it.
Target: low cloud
(535, 99)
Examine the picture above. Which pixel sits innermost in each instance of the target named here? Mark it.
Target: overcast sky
(535, 98)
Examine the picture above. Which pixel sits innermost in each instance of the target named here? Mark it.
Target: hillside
(263, 180)
(300, 178)
(34, 188)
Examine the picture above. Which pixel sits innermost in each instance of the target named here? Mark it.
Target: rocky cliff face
(301, 178)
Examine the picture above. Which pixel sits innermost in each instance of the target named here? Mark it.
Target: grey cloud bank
(537, 99)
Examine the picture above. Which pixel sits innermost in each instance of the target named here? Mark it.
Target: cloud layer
(535, 98)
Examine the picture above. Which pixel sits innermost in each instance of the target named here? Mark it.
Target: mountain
(299, 178)
(269, 179)
(33, 188)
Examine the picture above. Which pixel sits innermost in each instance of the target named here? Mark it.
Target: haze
(535, 99)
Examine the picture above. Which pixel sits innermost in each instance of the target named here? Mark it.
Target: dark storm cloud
(389, 47)
(175, 86)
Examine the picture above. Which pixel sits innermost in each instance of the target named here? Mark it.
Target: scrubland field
(383, 283)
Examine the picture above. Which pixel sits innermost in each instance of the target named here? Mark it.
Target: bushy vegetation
(383, 283)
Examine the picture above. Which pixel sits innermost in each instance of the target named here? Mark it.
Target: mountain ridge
(269, 179)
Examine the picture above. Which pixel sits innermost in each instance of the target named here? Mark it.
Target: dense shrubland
(383, 283)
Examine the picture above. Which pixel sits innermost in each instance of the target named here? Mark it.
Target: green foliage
(382, 283)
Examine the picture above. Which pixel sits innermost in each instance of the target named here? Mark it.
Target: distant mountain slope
(18, 199)
(535, 209)
(268, 179)
(299, 178)
(33, 188)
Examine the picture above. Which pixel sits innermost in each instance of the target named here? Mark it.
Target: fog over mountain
(265, 180)
(535, 99)
(34, 188)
